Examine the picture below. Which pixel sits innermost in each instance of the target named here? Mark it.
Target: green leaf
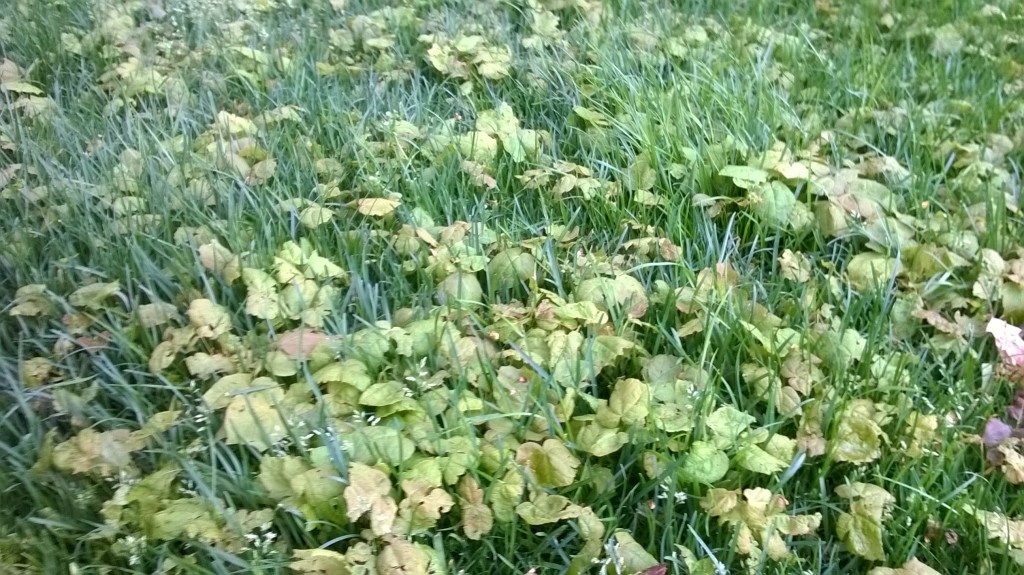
(772, 204)
(704, 463)
(545, 509)
(629, 403)
(862, 535)
(841, 349)
(592, 117)
(509, 267)
(185, 518)
(32, 300)
(94, 295)
(280, 364)
(551, 463)
(605, 350)
(744, 176)
(634, 558)
(505, 494)
(276, 473)
(381, 394)
(641, 176)
(478, 147)
(461, 287)
(857, 438)
(727, 423)
(599, 440)
(254, 420)
(623, 292)
(349, 371)
(869, 271)
(753, 458)
(380, 444)
(315, 216)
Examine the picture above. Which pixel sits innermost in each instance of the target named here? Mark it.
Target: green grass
(106, 176)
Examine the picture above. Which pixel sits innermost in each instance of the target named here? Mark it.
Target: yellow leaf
(375, 207)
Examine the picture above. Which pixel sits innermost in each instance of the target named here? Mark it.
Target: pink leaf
(300, 343)
(995, 432)
(1008, 341)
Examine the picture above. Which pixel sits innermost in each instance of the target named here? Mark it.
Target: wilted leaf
(203, 365)
(422, 506)
(369, 492)
(795, 266)
(209, 319)
(104, 453)
(401, 557)
(477, 519)
(995, 432)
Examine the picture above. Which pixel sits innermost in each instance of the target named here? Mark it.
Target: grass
(113, 169)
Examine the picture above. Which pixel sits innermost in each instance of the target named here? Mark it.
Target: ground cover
(529, 286)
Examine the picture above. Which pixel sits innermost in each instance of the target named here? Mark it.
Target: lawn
(523, 286)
